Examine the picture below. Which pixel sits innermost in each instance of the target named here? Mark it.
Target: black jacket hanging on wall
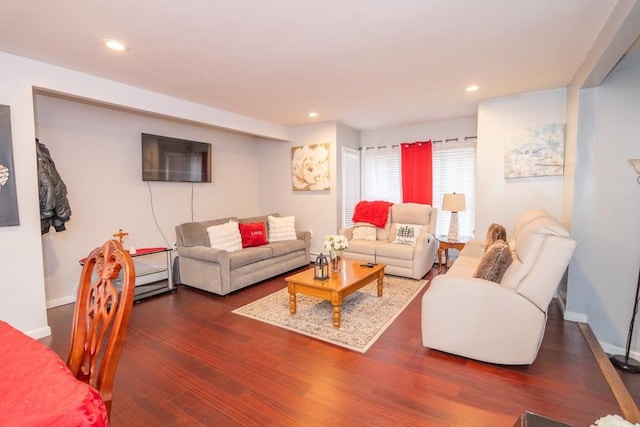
(54, 206)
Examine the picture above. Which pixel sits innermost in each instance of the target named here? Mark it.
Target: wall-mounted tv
(177, 160)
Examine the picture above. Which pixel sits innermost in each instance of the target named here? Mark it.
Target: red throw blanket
(375, 213)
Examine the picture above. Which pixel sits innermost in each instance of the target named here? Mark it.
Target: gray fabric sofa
(221, 272)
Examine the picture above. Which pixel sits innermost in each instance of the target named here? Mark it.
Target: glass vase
(336, 260)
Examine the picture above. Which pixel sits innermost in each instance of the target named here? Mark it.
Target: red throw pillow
(253, 234)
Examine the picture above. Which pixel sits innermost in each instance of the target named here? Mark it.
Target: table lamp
(454, 203)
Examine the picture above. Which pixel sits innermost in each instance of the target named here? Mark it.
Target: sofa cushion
(395, 250)
(286, 247)
(364, 247)
(528, 245)
(225, 236)
(407, 234)
(495, 232)
(253, 234)
(364, 232)
(382, 233)
(514, 274)
(411, 213)
(494, 262)
(524, 220)
(249, 256)
(195, 233)
(281, 229)
(464, 267)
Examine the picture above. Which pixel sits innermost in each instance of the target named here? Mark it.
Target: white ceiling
(367, 64)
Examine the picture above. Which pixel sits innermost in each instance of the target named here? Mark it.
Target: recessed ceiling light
(472, 88)
(313, 114)
(115, 45)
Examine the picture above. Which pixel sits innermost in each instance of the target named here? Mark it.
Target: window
(454, 170)
(351, 184)
(381, 174)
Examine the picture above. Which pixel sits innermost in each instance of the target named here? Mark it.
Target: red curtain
(417, 176)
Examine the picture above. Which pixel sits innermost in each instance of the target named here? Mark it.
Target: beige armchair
(407, 260)
(502, 322)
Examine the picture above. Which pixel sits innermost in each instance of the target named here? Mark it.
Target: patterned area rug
(364, 315)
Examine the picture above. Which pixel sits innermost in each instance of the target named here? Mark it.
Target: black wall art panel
(8, 198)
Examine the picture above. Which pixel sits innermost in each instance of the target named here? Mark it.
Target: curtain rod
(438, 141)
(372, 147)
(466, 138)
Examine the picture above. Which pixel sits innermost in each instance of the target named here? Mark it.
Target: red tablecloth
(37, 388)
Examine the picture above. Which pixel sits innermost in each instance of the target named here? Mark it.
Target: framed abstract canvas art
(534, 151)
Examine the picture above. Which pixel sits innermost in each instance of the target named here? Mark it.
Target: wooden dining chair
(101, 317)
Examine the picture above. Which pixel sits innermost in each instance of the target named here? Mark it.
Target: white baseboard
(45, 331)
(575, 317)
(57, 302)
(606, 347)
(142, 280)
(614, 349)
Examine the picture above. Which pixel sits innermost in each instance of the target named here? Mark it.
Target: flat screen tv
(177, 160)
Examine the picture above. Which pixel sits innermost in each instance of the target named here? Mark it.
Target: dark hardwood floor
(189, 361)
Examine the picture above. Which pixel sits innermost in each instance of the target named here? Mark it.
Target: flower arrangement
(613, 421)
(335, 242)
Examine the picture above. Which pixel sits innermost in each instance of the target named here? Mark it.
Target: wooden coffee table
(351, 277)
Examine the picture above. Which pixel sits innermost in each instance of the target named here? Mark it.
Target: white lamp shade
(636, 165)
(454, 203)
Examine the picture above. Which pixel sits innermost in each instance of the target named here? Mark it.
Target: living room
(92, 127)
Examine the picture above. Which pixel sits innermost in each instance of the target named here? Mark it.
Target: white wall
(455, 128)
(349, 138)
(22, 296)
(503, 200)
(314, 210)
(435, 131)
(606, 215)
(97, 153)
(22, 290)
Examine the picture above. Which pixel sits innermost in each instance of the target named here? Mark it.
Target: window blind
(381, 174)
(351, 184)
(454, 170)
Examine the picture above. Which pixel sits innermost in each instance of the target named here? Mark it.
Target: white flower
(335, 242)
(4, 175)
(613, 421)
(310, 167)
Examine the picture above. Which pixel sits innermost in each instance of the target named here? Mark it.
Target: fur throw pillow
(495, 232)
(494, 262)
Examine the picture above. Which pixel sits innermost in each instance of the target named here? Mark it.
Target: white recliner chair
(406, 260)
(504, 322)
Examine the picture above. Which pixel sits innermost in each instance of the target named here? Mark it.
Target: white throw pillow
(225, 236)
(407, 233)
(281, 229)
(364, 233)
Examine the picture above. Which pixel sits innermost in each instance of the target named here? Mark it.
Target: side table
(444, 244)
(153, 288)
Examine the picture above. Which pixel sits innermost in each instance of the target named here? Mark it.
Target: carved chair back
(101, 317)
